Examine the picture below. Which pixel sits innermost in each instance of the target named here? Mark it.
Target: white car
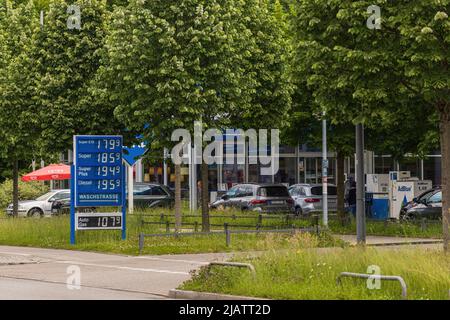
(308, 198)
(40, 207)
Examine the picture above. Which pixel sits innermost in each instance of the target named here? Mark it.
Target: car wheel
(35, 213)
(408, 217)
(298, 211)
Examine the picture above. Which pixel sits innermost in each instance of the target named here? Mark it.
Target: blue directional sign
(98, 171)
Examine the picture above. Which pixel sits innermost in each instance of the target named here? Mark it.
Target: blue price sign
(99, 176)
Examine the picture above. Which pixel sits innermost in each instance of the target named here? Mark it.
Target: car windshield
(232, 192)
(45, 196)
(275, 191)
(317, 191)
(426, 194)
(435, 198)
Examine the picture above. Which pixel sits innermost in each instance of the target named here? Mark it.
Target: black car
(419, 199)
(152, 195)
(146, 195)
(428, 206)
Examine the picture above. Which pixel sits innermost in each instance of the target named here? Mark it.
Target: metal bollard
(196, 226)
(249, 266)
(228, 237)
(423, 224)
(316, 223)
(227, 234)
(141, 242)
(371, 276)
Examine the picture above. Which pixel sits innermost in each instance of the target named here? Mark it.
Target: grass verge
(307, 273)
(54, 233)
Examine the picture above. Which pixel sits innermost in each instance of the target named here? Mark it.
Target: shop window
(286, 172)
(432, 169)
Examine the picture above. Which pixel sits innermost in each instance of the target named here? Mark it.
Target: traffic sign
(98, 180)
(98, 171)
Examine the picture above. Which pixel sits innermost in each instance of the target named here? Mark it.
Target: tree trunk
(340, 184)
(205, 197)
(177, 197)
(16, 188)
(445, 172)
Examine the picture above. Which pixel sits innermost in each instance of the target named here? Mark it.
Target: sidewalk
(389, 241)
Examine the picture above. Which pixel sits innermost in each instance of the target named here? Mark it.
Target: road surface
(32, 273)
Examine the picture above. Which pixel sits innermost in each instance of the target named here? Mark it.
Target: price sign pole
(97, 180)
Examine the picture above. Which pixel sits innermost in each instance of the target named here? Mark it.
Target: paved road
(31, 273)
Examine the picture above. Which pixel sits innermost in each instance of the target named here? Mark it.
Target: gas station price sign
(99, 176)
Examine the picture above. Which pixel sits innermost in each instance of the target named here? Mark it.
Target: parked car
(152, 195)
(264, 198)
(145, 195)
(417, 200)
(429, 207)
(308, 198)
(62, 206)
(41, 206)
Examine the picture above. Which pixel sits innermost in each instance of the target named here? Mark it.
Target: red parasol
(51, 172)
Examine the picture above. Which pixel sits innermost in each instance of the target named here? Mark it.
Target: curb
(195, 295)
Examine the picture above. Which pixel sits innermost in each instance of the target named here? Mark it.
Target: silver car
(40, 207)
(308, 198)
(262, 198)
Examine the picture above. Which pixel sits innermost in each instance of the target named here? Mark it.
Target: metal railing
(375, 277)
(227, 232)
(249, 266)
(286, 220)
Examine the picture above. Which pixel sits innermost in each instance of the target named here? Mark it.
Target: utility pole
(324, 172)
(360, 187)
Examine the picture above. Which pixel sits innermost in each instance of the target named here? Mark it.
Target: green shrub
(27, 191)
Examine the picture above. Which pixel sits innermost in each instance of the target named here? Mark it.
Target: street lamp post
(324, 172)
(360, 186)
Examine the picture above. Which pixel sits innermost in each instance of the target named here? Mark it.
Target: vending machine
(377, 183)
(401, 193)
(377, 189)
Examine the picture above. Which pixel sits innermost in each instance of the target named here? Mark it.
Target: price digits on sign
(108, 184)
(104, 171)
(115, 221)
(108, 144)
(110, 158)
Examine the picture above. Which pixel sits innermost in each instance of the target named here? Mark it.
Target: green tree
(67, 60)
(359, 74)
(169, 64)
(18, 131)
